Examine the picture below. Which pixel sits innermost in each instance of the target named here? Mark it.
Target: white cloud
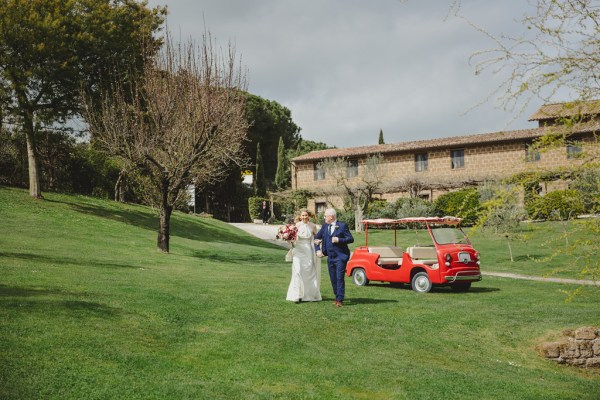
(347, 68)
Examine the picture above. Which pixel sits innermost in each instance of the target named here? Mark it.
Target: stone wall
(579, 347)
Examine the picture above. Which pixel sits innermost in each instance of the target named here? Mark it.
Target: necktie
(331, 229)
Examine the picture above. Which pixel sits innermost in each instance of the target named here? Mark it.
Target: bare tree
(356, 189)
(183, 123)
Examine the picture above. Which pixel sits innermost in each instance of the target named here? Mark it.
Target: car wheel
(421, 283)
(461, 287)
(359, 277)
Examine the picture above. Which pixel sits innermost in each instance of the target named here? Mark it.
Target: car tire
(461, 287)
(359, 277)
(421, 283)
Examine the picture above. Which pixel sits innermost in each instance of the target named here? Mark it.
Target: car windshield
(449, 236)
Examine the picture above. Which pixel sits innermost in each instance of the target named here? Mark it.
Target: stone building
(428, 168)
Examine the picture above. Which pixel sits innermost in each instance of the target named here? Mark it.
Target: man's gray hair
(330, 211)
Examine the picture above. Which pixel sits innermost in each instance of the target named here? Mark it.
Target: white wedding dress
(306, 267)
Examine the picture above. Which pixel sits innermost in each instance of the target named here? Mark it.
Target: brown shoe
(339, 304)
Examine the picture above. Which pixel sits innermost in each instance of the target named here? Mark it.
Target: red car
(447, 259)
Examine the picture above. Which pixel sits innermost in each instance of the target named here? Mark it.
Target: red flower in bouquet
(287, 233)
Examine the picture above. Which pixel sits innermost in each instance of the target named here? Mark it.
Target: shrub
(462, 203)
(254, 206)
(379, 209)
(346, 217)
(414, 207)
(587, 183)
(557, 205)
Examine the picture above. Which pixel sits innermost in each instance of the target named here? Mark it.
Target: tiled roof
(449, 142)
(551, 111)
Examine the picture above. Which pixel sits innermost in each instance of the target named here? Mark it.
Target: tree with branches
(356, 189)
(559, 54)
(182, 123)
(49, 49)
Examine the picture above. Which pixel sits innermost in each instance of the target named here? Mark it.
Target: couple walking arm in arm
(332, 241)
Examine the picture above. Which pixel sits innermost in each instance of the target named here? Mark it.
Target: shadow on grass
(65, 260)
(194, 230)
(356, 301)
(530, 257)
(235, 257)
(440, 289)
(23, 299)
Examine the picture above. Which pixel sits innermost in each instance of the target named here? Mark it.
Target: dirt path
(540, 278)
(267, 232)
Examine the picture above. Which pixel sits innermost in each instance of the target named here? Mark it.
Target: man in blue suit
(332, 241)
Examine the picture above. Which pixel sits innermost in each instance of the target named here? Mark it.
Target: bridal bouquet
(287, 233)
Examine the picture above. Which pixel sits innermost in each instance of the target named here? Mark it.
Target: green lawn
(90, 310)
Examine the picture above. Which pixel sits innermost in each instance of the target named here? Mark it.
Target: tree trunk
(34, 176)
(164, 227)
(120, 187)
(358, 217)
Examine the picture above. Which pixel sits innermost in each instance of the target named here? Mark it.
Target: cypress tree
(280, 175)
(381, 137)
(260, 188)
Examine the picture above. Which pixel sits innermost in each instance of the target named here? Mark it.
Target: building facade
(429, 168)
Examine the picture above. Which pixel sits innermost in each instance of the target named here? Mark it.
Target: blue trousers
(337, 272)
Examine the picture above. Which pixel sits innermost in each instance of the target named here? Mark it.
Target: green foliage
(413, 207)
(270, 122)
(52, 49)
(88, 310)
(306, 146)
(346, 216)
(254, 206)
(381, 137)
(501, 211)
(378, 209)
(557, 205)
(587, 183)
(462, 203)
(282, 175)
(288, 206)
(13, 159)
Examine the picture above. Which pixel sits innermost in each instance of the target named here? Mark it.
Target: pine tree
(280, 175)
(381, 137)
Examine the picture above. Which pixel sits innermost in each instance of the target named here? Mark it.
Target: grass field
(90, 310)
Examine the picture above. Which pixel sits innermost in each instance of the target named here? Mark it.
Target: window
(458, 158)
(421, 162)
(573, 151)
(319, 172)
(320, 208)
(352, 168)
(531, 154)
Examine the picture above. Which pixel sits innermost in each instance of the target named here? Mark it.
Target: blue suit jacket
(339, 249)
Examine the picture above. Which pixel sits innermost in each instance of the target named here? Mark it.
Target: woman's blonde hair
(310, 215)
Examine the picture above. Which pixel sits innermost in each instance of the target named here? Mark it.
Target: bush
(557, 205)
(587, 183)
(380, 209)
(254, 206)
(288, 207)
(345, 216)
(414, 207)
(462, 203)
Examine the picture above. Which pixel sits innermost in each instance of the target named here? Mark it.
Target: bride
(306, 266)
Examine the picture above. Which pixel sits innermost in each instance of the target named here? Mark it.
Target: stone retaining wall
(579, 347)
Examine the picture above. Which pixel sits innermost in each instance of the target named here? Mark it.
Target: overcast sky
(348, 68)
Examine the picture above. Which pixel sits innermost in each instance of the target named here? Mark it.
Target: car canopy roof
(430, 220)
